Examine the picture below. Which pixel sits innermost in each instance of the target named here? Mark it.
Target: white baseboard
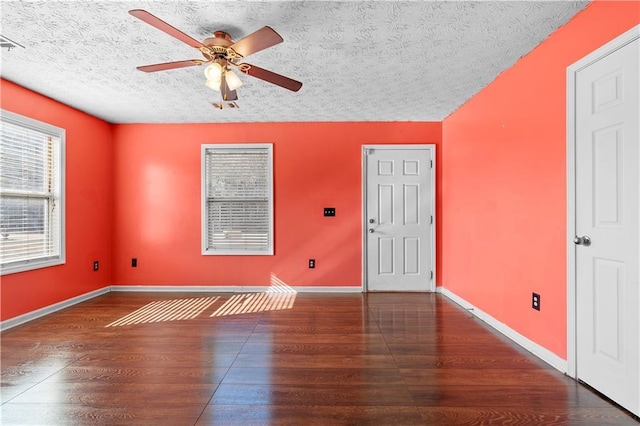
(231, 289)
(180, 289)
(541, 352)
(328, 289)
(30, 316)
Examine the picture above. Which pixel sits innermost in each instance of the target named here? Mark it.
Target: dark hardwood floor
(186, 359)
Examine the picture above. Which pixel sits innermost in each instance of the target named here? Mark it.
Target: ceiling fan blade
(259, 40)
(170, 65)
(227, 94)
(274, 78)
(163, 26)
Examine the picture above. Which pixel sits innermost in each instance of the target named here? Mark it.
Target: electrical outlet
(312, 263)
(134, 263)
(96, 265)
(535, 301)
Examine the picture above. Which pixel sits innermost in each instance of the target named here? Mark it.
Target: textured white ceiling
(358, 60)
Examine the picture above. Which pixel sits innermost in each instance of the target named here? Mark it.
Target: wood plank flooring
(380, 359)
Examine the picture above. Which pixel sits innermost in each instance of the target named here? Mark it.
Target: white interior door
(399, 209)
(606, 213)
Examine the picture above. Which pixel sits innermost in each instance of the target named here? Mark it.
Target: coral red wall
(157, 209)
(134, 191)
(504, 182)
(88, 207)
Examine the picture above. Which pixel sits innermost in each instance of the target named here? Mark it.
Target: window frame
(206, 251)
(59, 174)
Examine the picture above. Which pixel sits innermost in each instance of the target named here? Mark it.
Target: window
(31, 194)
(237, 199)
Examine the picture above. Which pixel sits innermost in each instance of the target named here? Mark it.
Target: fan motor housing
(218, 46)
(220, 38)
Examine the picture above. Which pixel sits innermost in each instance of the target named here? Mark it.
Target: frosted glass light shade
(233, 81)
(213, 84)
(213, 71)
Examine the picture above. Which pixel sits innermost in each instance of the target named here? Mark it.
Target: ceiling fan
(222, 54)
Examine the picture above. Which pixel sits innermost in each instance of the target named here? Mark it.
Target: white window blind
(237, 199)
(31, 204)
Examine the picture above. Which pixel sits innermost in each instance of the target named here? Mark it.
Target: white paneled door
(399, 217)
(607, 191)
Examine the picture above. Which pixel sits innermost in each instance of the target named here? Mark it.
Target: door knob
(582, 241)
(372, 221)
(371, 231)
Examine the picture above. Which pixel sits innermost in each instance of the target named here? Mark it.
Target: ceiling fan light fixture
(233, 81)
(221, 52)
(213, 84)
(213, 71)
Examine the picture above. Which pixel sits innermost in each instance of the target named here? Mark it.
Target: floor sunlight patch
(166, 310)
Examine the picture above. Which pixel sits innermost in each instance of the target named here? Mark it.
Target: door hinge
(431, 219)
(431, 163)
(431, 274)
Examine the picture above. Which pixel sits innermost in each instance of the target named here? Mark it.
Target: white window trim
(203, 186)
(60, 133)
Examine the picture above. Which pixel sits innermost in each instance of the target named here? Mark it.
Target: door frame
(605, 50)
(431, 148)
